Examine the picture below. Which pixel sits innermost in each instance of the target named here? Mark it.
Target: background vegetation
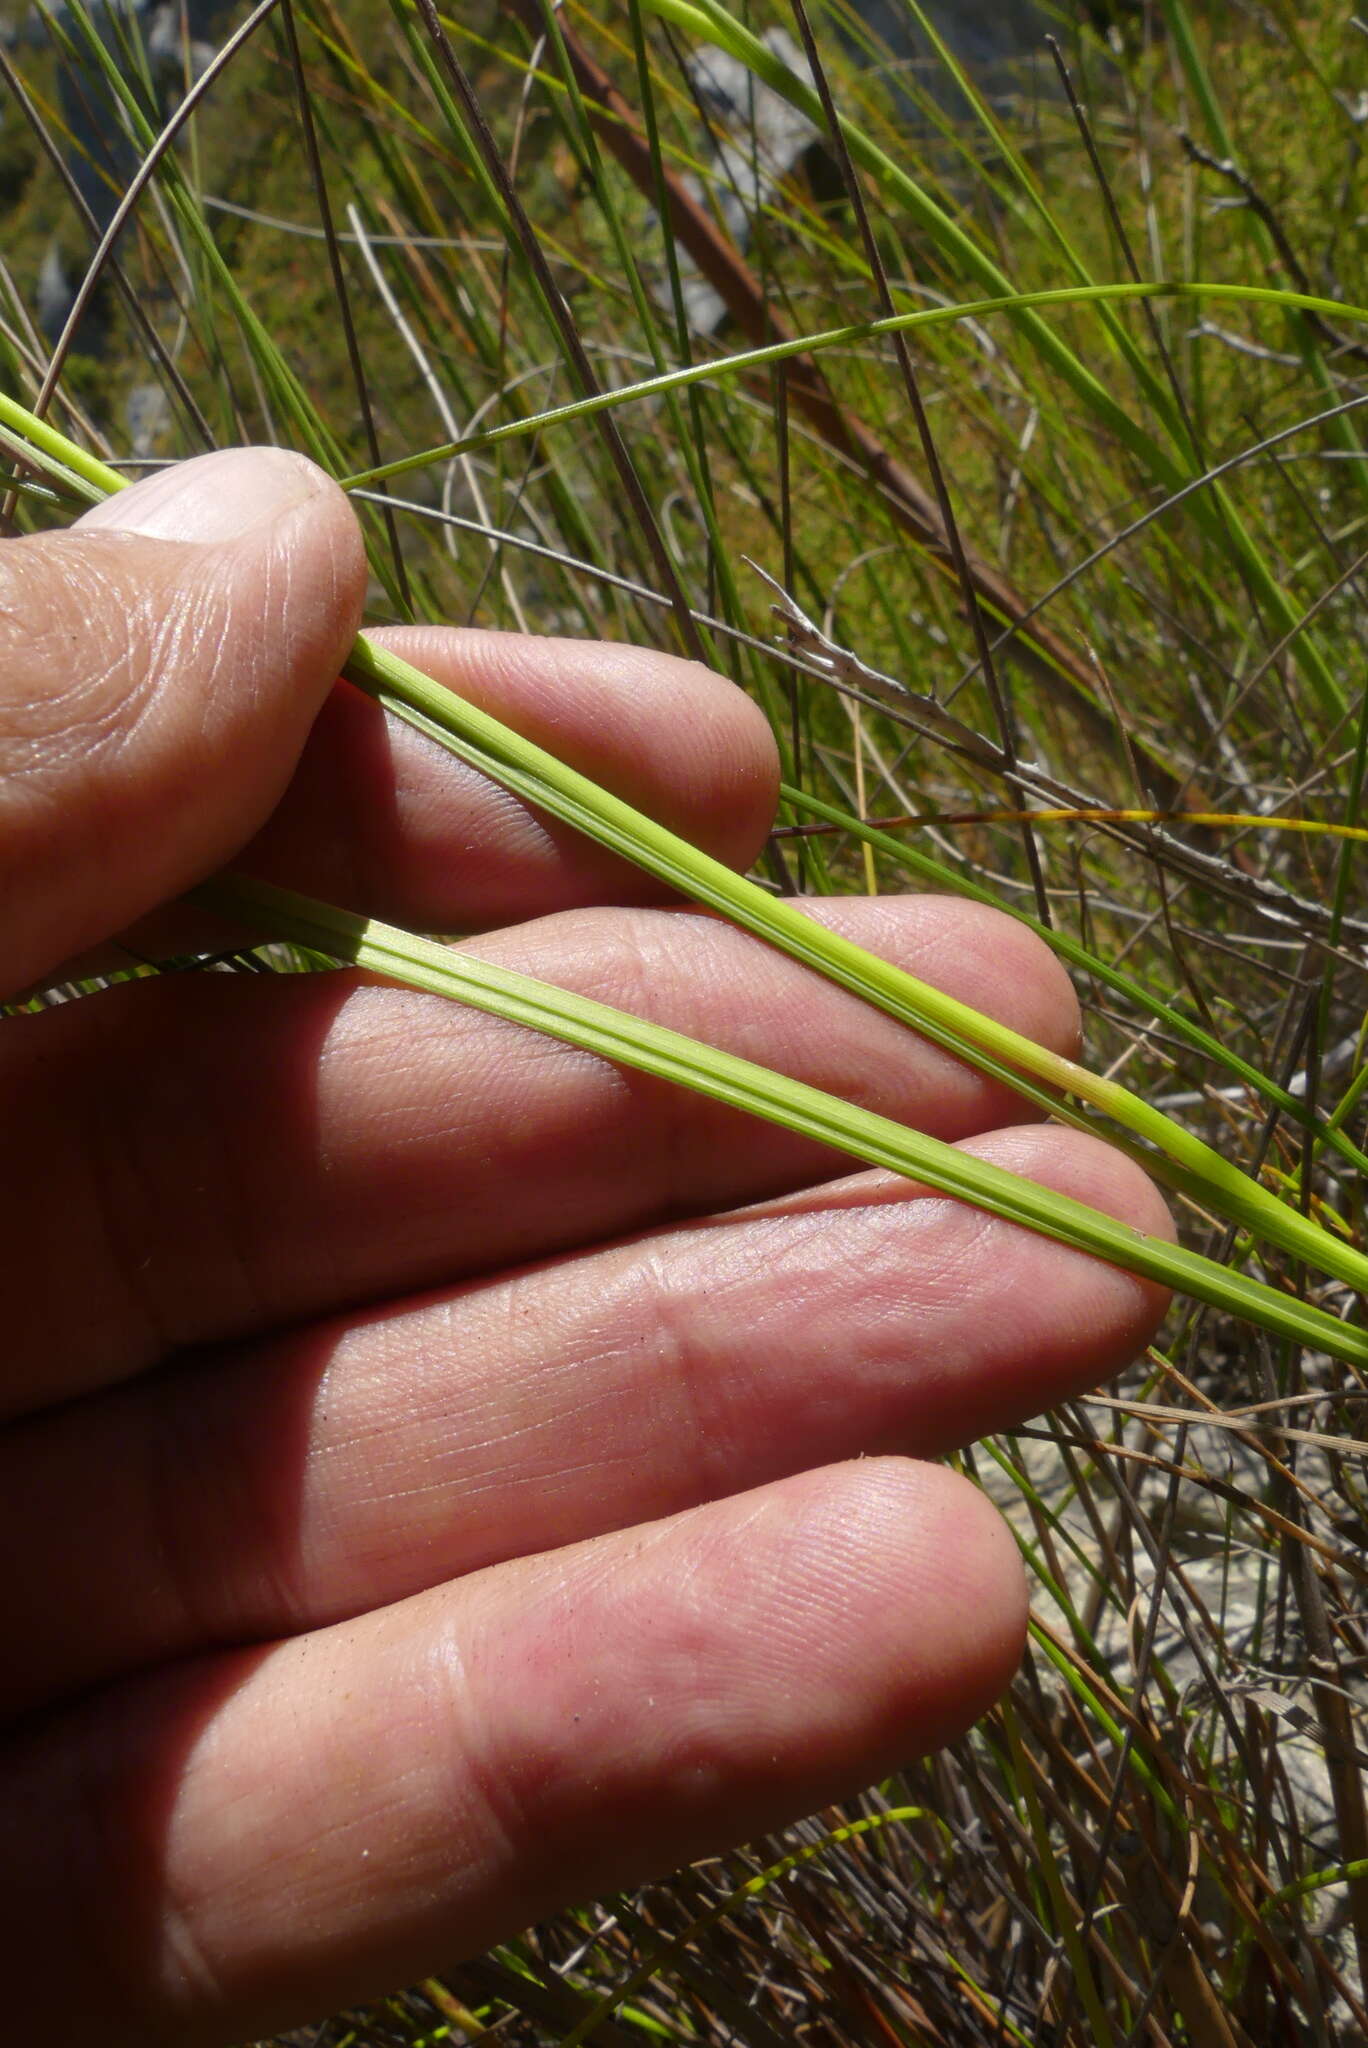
(1123, 542)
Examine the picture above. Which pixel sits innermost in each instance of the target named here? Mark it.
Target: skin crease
(450, 1477)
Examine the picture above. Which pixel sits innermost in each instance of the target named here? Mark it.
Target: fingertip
(285, 537)
(769, 1653)
(999, 965)
(669, 736)
(731, 765)
(1113, 1313)
(162, 664)
(1048, 1010)
(1078, 1164)
(216, 497)
(918, 1554)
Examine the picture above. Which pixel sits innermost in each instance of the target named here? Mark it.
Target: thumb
(161, 663)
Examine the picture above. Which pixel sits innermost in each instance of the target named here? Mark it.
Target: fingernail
(212, 497)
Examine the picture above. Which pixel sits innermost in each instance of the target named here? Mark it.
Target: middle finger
(231, 1154)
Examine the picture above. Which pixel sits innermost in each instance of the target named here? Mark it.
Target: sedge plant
(1134, 320)
(484, 741)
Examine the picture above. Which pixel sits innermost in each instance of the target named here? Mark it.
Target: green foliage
(1161, 505)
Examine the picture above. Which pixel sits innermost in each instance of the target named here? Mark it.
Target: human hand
(417, 1465)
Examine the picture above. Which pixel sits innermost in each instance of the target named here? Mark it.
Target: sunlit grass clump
(1018, 475)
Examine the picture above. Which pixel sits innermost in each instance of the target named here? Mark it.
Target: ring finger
(349, 1465)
